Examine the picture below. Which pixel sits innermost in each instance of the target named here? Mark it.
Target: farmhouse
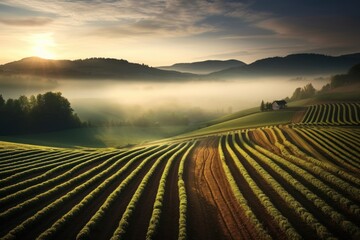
(277, 105)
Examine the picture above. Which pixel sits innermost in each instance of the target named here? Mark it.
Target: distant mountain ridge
(97, 68)
(204, 67)
(292, 65)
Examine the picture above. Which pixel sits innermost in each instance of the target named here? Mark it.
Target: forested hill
(97, 68)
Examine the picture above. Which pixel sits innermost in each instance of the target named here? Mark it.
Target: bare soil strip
(213, 210)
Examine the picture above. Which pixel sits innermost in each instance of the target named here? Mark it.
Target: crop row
(330, 189)
(281, 167)
(95, 177)
(333, 114)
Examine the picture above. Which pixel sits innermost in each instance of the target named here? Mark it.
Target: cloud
(172, 17)
(26, 22)
(330, 30)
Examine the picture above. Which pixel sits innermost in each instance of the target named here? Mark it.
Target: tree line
(41, 113)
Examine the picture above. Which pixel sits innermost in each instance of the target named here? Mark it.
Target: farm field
(293, 181)
(99, 137)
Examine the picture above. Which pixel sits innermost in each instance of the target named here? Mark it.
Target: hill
(92, 68)
(292, 65)
(204, 67)
(108, 68)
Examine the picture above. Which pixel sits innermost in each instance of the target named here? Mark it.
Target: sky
(161, 32)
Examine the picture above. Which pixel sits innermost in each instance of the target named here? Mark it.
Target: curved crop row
(158, 204)
(313, 163)
(92, 224)
(130, 160)
(281, 221)
(302, 212)
(48, 210)
(268, 158)
(333, 114)
(322, 169)
(335, 159)
(182, 195)
(124, 222)
(62, 180)
(239, 196)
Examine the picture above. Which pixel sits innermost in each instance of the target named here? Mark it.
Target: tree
(262, 106)
(308, 91)
(45, 112)
(305, 92)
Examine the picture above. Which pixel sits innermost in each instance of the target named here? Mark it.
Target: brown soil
(303, 145)
(299, 115)
(264, 142)
(213, 212)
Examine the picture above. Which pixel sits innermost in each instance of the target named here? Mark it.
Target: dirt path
(213, 212)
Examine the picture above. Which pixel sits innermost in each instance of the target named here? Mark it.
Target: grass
(249, 121)
(236, 115)
(99, 136)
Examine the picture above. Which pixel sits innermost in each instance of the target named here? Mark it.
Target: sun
(43, 45)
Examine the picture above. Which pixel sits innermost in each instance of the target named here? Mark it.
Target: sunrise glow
(43, 46)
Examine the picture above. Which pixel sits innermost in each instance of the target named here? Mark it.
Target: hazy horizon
(211, 96)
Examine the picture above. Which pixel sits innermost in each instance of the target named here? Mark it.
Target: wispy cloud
(174, 17)
(31, 21)
(318, 30)
(218, 28)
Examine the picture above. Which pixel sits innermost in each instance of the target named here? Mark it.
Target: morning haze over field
(175, 119)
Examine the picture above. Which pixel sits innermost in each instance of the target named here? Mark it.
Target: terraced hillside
(274, 182)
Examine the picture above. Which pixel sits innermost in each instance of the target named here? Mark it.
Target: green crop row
(51, 208)
(92, 224)
(243, 203)
(16, 162)
(66, 160)
(270, 158)
(281, 221)
(322, 169)
(336, 144)
(158, 204)
(13, 187)
(130, 159)
(315, 142)
(50, 193)
(124, 222)
(333, 114)
(62, 181)
(40, 161)
(182, 195)
(318, 165)
(302, 212)
(337, 147)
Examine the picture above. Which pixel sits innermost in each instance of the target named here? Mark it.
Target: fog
(214, 96)
(210, 95)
